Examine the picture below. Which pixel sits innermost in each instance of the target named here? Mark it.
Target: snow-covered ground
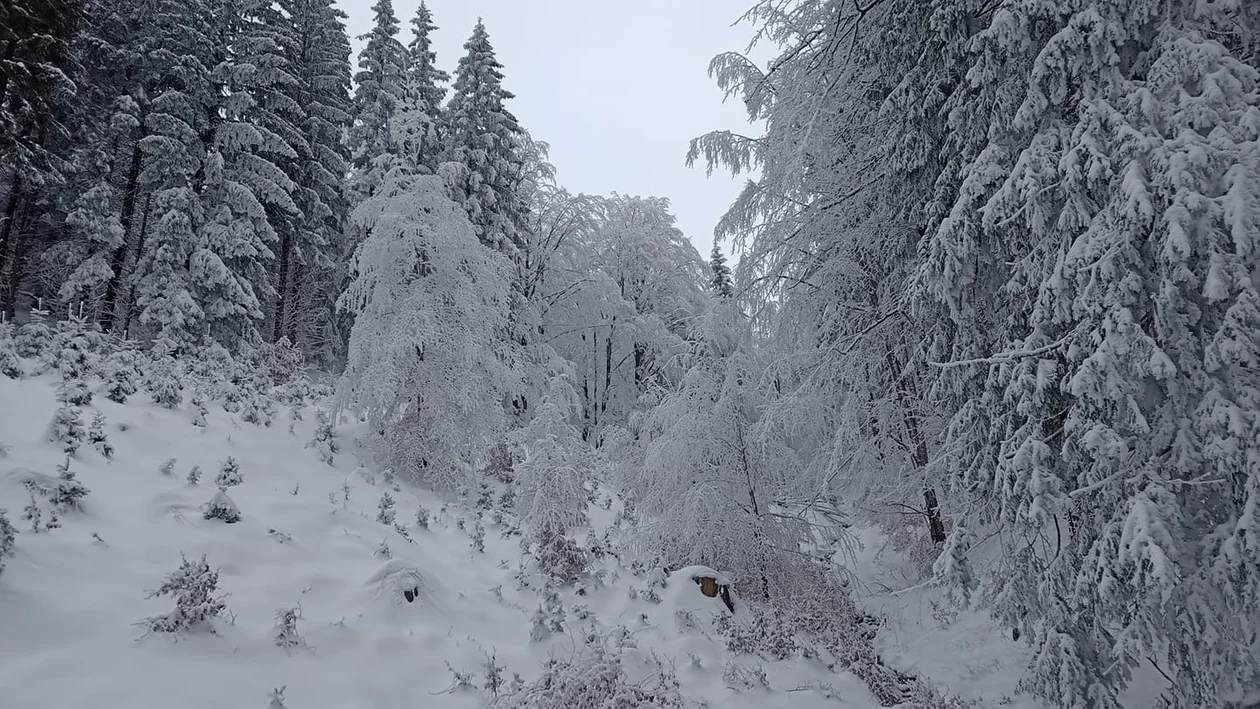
(71, 597)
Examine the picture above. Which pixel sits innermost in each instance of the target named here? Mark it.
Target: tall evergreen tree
(312, 266)
(38, 64)
(424, 87)
(722, 283)
(379, 91)
(179, 125)
(484, 139)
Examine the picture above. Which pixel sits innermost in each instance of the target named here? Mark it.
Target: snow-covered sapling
(422, 517)
(8, 537)
(10, 365)
(287, 636)
(193, 586)
(200, 411)
(194, 475)
(494, 674)
(325, 439)
(67, 491)
(478, 537)
(162, 381)
(120, 376)
(97, 437)
(167, 467)
(66, 428)
(229, 474)
(221, 507)
(383, 551)
(385, 513)
(32, 513)
(277, 698)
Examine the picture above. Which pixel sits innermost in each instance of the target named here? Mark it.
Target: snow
(71, 598)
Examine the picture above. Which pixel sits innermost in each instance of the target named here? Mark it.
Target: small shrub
(325, 439)
(193, 586)
(287, 637)
(229, 474)
(385, 509)
(8, 537)
(167, 467)
(97, 437)
(595, 676)
(66, 428)
(194, 475)
(221, 507)
(422, 517)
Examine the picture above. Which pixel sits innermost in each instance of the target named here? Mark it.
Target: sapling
(385, 507)
(193, 586)
(167, 467)
(229, 474)
(221, 507)
(194, 475)
(8, 537)
(97, 437)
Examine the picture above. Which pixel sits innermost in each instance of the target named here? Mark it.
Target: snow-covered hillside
(74, 598)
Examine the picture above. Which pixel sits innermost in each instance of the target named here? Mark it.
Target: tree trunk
(11, 251)
(118, 259)
(918, 446)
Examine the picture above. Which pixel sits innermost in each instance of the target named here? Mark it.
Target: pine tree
(484, 139)
(379, 91)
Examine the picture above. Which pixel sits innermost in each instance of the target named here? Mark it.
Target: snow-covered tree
(430, 304)
(8, 538)
(379, 90)
(556, 466)
(424, 87)
(713, 488)
(193, 587)
(312, 254)
(483, 138)
(723, 282)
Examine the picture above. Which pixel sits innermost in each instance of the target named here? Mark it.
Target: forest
(994, 288)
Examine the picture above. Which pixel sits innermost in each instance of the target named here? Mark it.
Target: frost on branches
(429, 303)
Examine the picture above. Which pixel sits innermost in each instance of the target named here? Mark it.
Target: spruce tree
(38, 67)
(722, 284)
(311, 267)
(484, 139)
(379, 90)
(424, 88)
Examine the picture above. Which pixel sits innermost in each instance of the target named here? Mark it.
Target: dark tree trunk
(118, 259)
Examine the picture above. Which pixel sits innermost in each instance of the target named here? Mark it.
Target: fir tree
(8, 537)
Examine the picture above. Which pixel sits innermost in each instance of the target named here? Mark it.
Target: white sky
(616, 88)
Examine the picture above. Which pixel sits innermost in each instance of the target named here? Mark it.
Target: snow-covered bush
(422, 517)
(8, 537)
(385, 509)
(10, 364)
(600, 674)
(167, 467)
(556, 466)
(221, 507)
(286, 633)
(324, 440)
(229, 474)
(66, 428)
(281, 361)
(560, 557)
(31, 339)
(193, 586)
(162, 376)
(121, 370)
(194, 475)
(277, 698)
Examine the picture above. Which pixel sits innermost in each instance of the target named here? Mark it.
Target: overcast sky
(617, 88)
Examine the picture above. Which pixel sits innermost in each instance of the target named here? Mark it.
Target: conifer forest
(961, 408)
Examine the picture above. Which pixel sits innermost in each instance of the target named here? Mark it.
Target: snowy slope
(69, 602)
